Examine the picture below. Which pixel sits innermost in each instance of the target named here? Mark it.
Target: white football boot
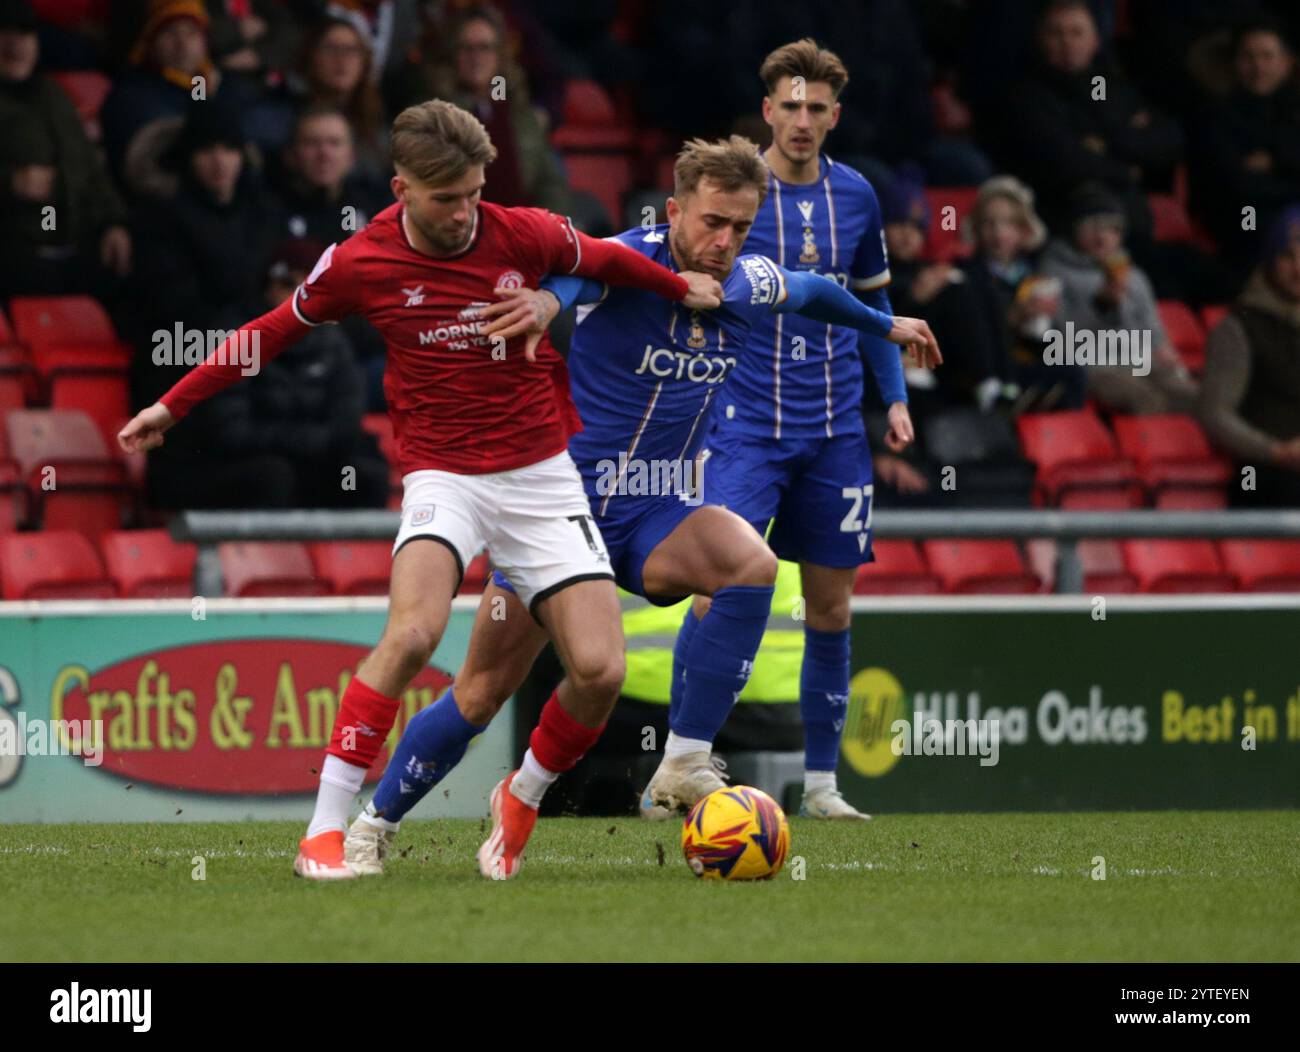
(679, 782)
(366, 847)
(829, 803)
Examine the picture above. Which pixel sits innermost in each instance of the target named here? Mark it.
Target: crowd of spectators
(238, 137)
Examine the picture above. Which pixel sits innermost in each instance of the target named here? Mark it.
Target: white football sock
(372, 819)
(813, 780)
(532, 781)
(339, 783)
(676, 746)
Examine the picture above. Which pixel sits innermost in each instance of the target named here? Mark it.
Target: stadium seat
(1184, 332)
(16, 361)
(476, 575)
(606, 176)
(1263, 565)
(1174, 459)
(1101, 560)
(976, 567)
(899, 569)
(72, 14)
(990, 471)
(87, 88)
(1212, 314)
(942, 244)
(57, 564)
(13, 490)
(353, 567)
(104, 397)
(68, 333)
(268, 568)
(381, 427)
(1176, 566)
(1079, 465)
(148, 564)
(12, 393)
(90, 492)
(1170, 221)
(590, 120)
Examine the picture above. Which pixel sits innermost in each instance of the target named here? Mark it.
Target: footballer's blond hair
(807, 59)
(438, 142)
(731, 164)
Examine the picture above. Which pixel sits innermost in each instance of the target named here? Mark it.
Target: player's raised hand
(704, 293)
(915, 335)
(144, 431)
(900, 434)
(521, 312)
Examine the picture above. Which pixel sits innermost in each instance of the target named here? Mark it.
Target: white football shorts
(535, 521)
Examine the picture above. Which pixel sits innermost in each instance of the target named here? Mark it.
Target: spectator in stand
(64, 228)
(386, 26)
(1015, 305)
(1247, 146)
(289, 437)
(170, 52)
(476, 74)
(201, 254)
(254, 40)
(1101, 291)
(1061, 133)
(1250, 397)
(937, 292)
(322, 197)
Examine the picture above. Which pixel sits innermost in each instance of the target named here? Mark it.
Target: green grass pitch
(1179, 886)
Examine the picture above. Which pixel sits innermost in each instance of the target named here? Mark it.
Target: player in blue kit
(643, 378)
(786, 445)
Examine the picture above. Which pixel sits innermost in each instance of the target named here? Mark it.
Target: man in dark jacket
(291, 436)
(64, 228)
(1076, 119)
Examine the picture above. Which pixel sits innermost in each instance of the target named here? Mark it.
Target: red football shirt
(456, 402)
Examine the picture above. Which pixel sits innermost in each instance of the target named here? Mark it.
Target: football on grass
(736, 833)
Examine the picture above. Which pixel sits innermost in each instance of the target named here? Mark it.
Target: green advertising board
(223, 716)
(1131, 702)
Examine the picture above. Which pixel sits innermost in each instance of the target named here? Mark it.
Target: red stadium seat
(606, 176)
(1184, 332)
(1212, 314)
(71, 14)
(1078, 462)
(1176, 566)
(148, 564)
(476, 575)
(1174, 459)
(590, 121)
(87, 88)
(268, 568)
(1263, 565)
(12, 393)
(105, 398)
(381, 427)
(1101, 560)
(68, 333)
(57, 564)
(943, 244)
(353, 567)
(979, 567)
(899, 569)
(13, 490)
(1170, 221)
(72, 480)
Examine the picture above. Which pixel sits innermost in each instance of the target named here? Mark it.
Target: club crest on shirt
(809, 253)
(510, 279)
(696, 339)
(421, 514)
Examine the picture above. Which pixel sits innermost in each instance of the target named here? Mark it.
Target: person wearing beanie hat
(1103, 291)
(1250, 396)
(170, 68)
(46, 161)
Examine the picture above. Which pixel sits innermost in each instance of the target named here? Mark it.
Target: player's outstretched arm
(822, 299)
(612, 263)
(228, 363)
